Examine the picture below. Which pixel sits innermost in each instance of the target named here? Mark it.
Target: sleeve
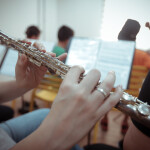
(145, 97)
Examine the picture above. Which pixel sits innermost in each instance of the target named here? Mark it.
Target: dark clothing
(6, 113)
(100, 147)
(145, 97)
(129, 30)
(145, 91)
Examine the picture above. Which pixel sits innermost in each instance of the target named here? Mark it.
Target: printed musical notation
(103, 55)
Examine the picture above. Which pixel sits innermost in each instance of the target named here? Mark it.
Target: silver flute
(128, 104)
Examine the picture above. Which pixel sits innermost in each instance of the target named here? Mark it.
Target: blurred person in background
(65, 33)
(129, 33)
(33, 32)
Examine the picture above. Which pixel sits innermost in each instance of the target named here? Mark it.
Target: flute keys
(127, 97)
(144, 109)
(35, 62)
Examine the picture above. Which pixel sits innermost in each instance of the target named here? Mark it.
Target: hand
(28, 75)
(78, 106)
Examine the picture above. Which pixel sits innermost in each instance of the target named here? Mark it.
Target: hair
(32, 31)
(129, 31)
(65, 33)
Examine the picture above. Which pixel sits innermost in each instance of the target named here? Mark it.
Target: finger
(90, 80)
(42, 68)
(62, 57)
(52, 54)
(21, 65)
(110, 102)
(43, 50)
(26, 41)
(38, 71)
(106, 86)
(74, 74)
(39, 46)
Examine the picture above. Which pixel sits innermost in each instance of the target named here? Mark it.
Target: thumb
(62, 57)
(21, 65)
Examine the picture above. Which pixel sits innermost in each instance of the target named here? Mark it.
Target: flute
(128, 104)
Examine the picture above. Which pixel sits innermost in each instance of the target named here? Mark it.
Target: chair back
(51, 82)
(46, 90)
(138, 75)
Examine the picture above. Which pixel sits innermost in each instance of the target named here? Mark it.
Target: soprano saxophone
(128, 104)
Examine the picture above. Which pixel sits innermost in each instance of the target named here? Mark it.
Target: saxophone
(128, 104)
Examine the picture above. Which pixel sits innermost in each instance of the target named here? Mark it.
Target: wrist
(56, 133)
(22, 88)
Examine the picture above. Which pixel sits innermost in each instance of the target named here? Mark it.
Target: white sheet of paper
(116, 56)
(48, 45)
(8, 66)
(2, 52)
(83, 52)
(105, 56)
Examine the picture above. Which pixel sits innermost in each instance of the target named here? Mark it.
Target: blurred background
(101, 19)
(88, 18)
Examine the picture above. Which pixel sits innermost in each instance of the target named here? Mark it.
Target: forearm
(46, 137)
(135, 139)
(36, 141)
(10, 90)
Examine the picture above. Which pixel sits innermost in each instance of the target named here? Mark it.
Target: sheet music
(82, 52)
(8, 66)
(2, 52)
(116, 56)
(105, 56)
(48, 45)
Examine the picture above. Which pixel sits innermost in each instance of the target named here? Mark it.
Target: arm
(28, 77)
(76, 109)
(135, 139)
(10, 90)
